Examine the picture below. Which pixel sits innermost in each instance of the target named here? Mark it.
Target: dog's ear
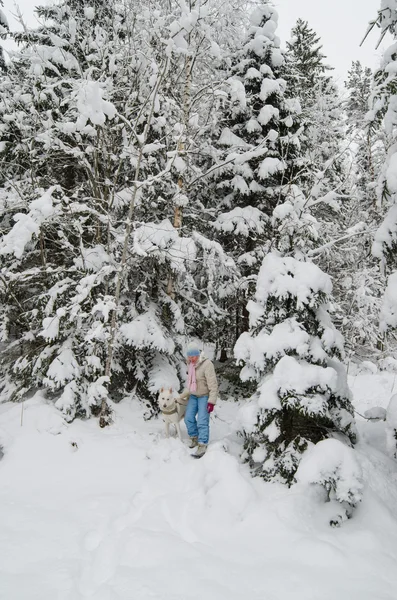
(170, 390)
(162, 390)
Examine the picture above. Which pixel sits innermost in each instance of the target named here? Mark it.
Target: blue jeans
(197, 405)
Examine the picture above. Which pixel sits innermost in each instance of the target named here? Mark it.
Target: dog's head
(166, 398)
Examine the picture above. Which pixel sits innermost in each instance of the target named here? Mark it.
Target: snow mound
(123, 512)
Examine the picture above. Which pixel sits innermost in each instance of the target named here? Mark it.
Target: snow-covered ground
(124, 514)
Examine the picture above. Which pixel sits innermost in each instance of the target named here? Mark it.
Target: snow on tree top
(285, 276)
(48, 57)
(295, 377)
(93, 259)
(253, 73)
(63, 368)
(237, 93)
(388, 14)
(267, 113)
(391, 173)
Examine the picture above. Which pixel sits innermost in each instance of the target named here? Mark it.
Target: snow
(89, 12)
(162, 240)
(3, 22)
(300, 376)
(386, 234)
(267, 113)
(281, 277)
(50, 328)
(269, 166)
(388, 315)
(239, 184)
(391, 174)
(145, 331)
(241, 221)
(228, 138)
(63, 368)
(333, 464)
(251, 126)
(262, 12)
(269, 87)
(376, 413)
(392, 411)
(92, 259)
(124, 513)
(27, 225)
(91, 105)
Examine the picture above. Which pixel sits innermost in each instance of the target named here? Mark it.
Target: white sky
(341, 24)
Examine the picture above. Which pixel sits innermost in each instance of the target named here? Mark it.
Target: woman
(202, 391)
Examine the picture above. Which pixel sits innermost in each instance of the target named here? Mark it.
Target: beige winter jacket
(207, 384)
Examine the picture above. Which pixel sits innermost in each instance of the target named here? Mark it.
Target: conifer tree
(383, 103)
(331, 181)
(307, 72)
(258, 152)
(292, 349)
(291, 352)
(359, 84)
(357, 289)
(92, 151)
(308, 79)
(84, 132)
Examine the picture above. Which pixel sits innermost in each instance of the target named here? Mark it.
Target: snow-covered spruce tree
(358, 286)
(358, 84)
(384, 109)
(331, 184)
(308, 79)
(292, 352)
(307, 72)
(80, 149)
(91, 126)
(259, 135)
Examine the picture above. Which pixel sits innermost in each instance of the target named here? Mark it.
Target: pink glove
(210, 407)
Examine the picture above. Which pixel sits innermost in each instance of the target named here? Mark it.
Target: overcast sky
(341, 24)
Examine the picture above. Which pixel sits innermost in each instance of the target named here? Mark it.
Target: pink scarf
(191, 378)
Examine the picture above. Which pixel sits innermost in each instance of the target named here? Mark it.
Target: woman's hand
(210, 407)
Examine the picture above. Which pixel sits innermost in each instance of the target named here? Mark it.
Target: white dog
(172, 411)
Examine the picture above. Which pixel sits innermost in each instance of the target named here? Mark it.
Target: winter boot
(201, 450)
(193, 442)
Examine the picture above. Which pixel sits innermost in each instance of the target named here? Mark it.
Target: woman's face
(192, 359)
